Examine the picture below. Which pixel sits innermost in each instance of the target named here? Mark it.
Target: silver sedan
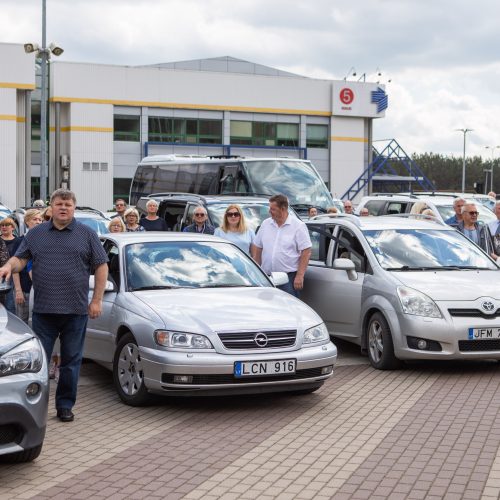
(188, 314)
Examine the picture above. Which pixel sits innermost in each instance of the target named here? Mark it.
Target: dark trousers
(70, 328)
(288, 288)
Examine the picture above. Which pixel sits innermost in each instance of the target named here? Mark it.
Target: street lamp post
(464, 131)
(43, 53)
(492, 149)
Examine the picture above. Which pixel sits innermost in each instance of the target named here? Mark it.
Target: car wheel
(22, 456)
(379, 344)
(128, 374)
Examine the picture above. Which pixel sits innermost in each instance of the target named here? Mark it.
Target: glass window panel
(126, 128)
(288, 131)
(241, 129)
(317, 136)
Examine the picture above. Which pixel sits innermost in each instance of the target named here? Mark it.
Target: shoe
(65, 415)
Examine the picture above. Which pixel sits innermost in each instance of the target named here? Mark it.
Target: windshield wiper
(155, 287)
(215, 285)
(431, 268)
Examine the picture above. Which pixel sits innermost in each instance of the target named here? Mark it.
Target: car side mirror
(348, 266)
(109, 287)
(279, 278)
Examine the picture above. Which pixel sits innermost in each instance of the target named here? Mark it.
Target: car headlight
(25, 358)
(318, 333)
(182, 340)
(417, 303)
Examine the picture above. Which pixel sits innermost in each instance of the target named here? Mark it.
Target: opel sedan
(188, 314)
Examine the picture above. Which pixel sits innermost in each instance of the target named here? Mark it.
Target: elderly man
(312, 212)
(200, 224)
(283, 244)
(64, 253)
(458, 204)
(469, 226)
(348, 207)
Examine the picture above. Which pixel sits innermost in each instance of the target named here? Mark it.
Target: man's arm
(13, 265)
(256, 254)
(298, 282)
(100, 278)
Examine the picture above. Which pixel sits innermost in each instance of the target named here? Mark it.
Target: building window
(184, 130)
(121, 188)
(264, 133)
(127, 128)
(317, 136)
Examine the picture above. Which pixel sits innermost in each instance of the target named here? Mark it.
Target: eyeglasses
(199, 215)
(233, 214)
(473, 213)
(6, 225)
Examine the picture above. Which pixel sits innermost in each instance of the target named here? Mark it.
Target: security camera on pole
(43, 53)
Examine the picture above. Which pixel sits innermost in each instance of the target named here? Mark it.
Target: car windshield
(100, 226)
(485, 215)
(254, 213)
(416, 249)
(296, 179)
(188, 264)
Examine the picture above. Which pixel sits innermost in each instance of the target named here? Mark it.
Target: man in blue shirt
(64, 253)
(469, 226)
(458, 203)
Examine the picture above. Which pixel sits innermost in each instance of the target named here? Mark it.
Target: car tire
(22, 456)
(128, 374)
(379, 344)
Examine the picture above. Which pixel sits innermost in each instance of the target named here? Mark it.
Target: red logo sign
(346, 96)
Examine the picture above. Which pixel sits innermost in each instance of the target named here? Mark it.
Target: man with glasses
(458, 204)
(200, 224)
(120, 207)
(470, 227)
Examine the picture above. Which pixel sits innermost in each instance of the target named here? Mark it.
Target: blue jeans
(70, 328)
(10, 300)
(288, 288)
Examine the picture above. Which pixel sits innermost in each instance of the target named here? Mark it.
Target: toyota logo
(488, 306)
(261, 339)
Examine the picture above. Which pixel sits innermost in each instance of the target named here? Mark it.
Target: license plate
(484, 333)
(262, 368)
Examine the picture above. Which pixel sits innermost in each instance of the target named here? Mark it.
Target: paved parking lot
(428, 431)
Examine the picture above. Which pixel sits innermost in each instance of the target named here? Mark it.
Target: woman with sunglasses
(234, 228)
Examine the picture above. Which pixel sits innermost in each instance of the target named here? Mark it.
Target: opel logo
(488, 306)
(261, 339)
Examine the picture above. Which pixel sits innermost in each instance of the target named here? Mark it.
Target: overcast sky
(441, 55)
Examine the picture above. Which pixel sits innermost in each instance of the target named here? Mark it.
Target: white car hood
(453, 285)
(228, 309)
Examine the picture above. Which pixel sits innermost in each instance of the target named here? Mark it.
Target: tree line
(445, 172)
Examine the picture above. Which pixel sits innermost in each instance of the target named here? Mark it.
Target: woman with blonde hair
(132, 220)
(116, 225)
(418, 207)
(234, 228)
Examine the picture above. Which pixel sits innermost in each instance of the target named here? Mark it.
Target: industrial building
(104, 119)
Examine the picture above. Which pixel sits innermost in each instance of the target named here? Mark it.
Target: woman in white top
(234, 228)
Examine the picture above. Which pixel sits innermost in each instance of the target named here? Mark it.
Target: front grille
(479, 345)
(10, 433)
(168, 378)
(246, 340)
(473, 313)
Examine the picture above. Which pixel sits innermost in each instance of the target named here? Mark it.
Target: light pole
(464, 131)
(43, 53)
(492, 149)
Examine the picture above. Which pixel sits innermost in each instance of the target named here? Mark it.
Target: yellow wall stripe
(9, 85)
(20, 119)
(8, 117)
(76, 128)
(348, 139)
(211, 107)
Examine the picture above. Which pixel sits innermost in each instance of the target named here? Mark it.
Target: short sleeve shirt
(282, 245)
(62, 261)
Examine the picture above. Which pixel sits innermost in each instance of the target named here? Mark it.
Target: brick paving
(427, 431)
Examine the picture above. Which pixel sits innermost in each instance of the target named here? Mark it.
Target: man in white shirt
(494, 228)
(283, 244)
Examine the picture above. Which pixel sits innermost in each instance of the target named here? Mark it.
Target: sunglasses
(473, 213)
(199, 215)
(233, 214)
(6, 225)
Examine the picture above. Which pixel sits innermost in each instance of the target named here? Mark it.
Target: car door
(99, 340)
(331, 293)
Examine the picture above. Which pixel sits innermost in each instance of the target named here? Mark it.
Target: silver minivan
(404, 288)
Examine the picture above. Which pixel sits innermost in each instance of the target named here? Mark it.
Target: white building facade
(104, 119)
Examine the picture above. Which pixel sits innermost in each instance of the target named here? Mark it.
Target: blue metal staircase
(391, 165)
